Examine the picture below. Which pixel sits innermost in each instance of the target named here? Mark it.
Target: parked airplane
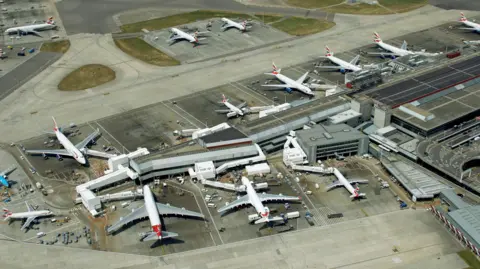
(178, 35)
(152, 210)
(471, 25)
(392, 51)
(239, 110)
(227, 24)
(342, 181)
(30, 215)
(289, 83)
(343, 66)
(3, 176)
(77, 151)
(256, 200)
(32, 29)
(232, 110)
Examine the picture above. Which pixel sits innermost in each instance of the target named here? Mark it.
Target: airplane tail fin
(224, 99)
(6, 214)
(357, 194)
(55, 127)
(276, 70)
(328, 52)
(50, 20)
(377, 37)
(462, 18)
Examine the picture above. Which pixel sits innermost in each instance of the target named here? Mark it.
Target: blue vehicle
(3, 176)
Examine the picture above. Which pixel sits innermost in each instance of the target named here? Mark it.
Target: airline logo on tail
(195, 36)
(55, 127)
(265, 212)
(275, 69)
(463, 18)
(6, 214)
(355, 192)
(329, 52)
(50, 20)
(224, 99)
(377, 38)
(244, 24)
(157, 230)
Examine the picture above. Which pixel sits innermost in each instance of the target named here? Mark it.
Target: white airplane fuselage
(254, 200)
(345, 183)
(184, 35)
(30, 28)
(69, 147)
(152, 211)
(292, 83)
(345, 65)
(393, 49)
(237, 25)
(472, 24)
(25, 215)
(233, 108)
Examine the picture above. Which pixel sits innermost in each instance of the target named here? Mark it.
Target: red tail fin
(55, 127)
(224, 100)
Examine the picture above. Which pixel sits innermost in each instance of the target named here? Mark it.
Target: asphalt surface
(93, 16)
(457, 4)
(427, 84)
(24, 72)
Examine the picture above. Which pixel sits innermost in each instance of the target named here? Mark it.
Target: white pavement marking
(113, 137)
(52, 231)
(108, 142)
(177, 106)
(163, 103)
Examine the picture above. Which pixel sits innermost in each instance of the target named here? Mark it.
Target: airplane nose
(82, 160)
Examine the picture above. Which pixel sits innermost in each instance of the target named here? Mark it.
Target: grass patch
(302, 26)
(57, 46)
(403, 5)
(138, 48)
(267, 18)
(178, 19)
(469, 259)
(86, 77)
(313, 3)
(389, 7)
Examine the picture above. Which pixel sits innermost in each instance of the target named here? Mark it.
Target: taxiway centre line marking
(237, 87)
(199, 207)
(163, 103)
(102, 137)
(177, 106)
(96, 122)
(211, 217)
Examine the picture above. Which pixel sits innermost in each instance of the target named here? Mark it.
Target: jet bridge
(313, 169)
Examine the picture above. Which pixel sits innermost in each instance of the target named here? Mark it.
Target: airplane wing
(334, 185)
(467, 28)
(265, 197)
(27, 223)
(354, 61)
(8, 171)
(223, 111)
(302, 78)
(404, 45)
(175, 37)
(168, 210)
(138, 213)
(29, 207)
(35, 33)
(242, 105)
(359, 181)
(276, 86)
(61, 152)
(239, 202)
(87, 140)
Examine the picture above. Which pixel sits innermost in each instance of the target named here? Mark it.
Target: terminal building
(327, 141)
(460, 218)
